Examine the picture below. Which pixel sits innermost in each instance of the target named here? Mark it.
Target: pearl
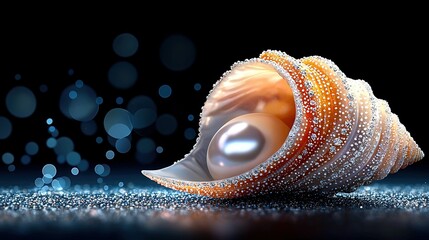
(243, 143)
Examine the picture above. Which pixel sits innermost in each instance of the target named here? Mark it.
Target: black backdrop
(385, 52)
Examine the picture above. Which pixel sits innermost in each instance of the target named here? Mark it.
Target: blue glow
(46, 180)
(99, 100)
(119, 100)
(102, 170)
(49, 171)
(49, 121)
(56, 185)
(79, 103)
(79, 83)
(11, 168)
(51, 142)
(119, 131)
(190, 133)
(120, 184)
(110, 154)
(38, 182)
(197, 87)
(61, 159)
(83, 165)
(43, 88)
(190, 117)
(144, 118)
(159, 149)
(165, 91)
(100, 180)
(143, 110)
(177, 52)
(25, 160)
(106, 170)
(74, 171)
(64, 146)
(5, 128)
(21, 102)
(145, 145)
(8, 158)
(89, 128)
(51, 129)
(140, 102)
(31, 148)
(145, 158)
(125, 45)
(73, 158)
(64, 182)
(55, 133)
(122, 75)
(117, 123)
(72, 94)
(166, 124)
(99, 140)
(70, 72)
(123, 145)
(17, 76)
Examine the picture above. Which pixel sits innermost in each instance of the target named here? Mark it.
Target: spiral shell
(315, 131)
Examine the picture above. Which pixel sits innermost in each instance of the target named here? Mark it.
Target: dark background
(386, 52)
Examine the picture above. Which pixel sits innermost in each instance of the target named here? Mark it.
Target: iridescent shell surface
(339, 135)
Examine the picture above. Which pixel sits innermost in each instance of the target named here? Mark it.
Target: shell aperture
(341, 136)
(241, 145)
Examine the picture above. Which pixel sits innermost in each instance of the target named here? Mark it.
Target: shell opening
(250, 87)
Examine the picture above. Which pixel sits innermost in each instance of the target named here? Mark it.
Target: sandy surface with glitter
(379, 211)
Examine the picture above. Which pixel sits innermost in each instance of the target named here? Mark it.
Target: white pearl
(243, 143)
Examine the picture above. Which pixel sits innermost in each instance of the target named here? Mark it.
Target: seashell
(278, 124)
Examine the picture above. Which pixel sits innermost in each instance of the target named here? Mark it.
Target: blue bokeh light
(31, 148)
(8, 158)
(5, 127)
(165, 91)
(18, 76)
(119, 100)
(190, 133)
(197, 87)
(177, 52)
(25, 160)
(73, 158)
(43, 88)
(122, 75)
(79, 103)
(79, 83)
(166, 124)
(145, 145)
(110, 154)
(190, 117)
(83, 165)
(21, 102)
(125, 45)
(38, 182)
(49, 171)
(11, 168)
(51, 142)
(89, 128)
(123, 145)
(49, 121)
(74, 171)
(118, 123)
(64, 146)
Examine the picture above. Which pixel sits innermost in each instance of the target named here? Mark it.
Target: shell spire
(341, 136)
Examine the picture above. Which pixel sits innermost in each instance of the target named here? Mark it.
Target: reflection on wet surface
(380, 210)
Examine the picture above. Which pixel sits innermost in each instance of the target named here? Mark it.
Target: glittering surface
(378, 210)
